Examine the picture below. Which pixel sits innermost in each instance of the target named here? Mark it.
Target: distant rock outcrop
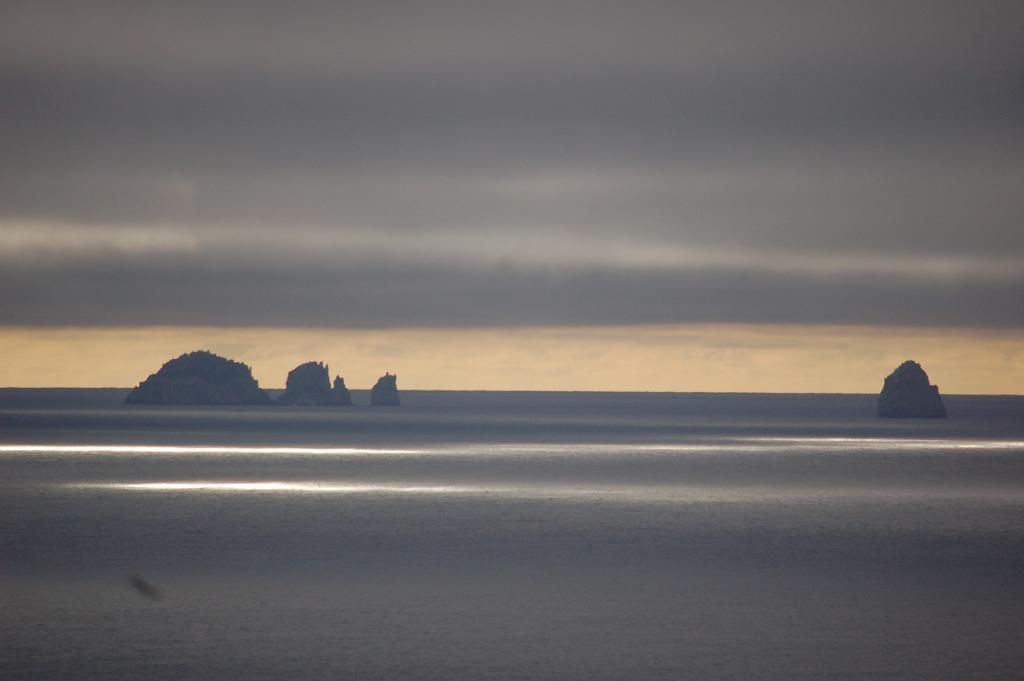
(385, 392)
(307, 385)
(340, 393)
(908, 394)
(199, 377)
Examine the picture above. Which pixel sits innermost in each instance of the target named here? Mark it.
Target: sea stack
(385, 392)
(199, 377)
(340, 393)
(307, 385)
(908, 394)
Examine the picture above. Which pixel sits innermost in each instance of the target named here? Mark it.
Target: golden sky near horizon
(704, 357)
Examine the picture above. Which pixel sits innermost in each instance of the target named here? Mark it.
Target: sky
(683, 196)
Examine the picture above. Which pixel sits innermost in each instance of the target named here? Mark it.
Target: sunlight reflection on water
(731, 444)
(619, 493)
(195, 449)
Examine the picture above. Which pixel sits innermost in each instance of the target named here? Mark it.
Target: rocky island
(202, 377)
(908, 394)
(199, 377)
(385, 392)
(308, 385)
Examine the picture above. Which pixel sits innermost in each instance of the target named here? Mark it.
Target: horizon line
(595, 392)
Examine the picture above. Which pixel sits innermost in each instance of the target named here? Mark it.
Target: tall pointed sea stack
(340, 393)
(199, 377)
(908, 394)
(307, 385)
(385, 392)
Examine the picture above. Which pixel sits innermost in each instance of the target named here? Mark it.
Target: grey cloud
(203, 289)
(376, 36)
(968, 207)
(233, 123)
(521, 163)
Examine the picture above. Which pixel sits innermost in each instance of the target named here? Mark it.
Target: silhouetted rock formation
(907, 394)
(307, 385)
(385, 392)
(199, 377)
(340, 393)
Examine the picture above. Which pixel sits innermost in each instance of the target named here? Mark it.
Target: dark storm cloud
(388, 292)
(379, 163)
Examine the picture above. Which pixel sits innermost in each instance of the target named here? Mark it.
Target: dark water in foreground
(512, 536)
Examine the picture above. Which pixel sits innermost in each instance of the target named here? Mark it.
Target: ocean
(511, 536)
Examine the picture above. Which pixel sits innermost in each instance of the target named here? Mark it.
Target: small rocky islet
(385, 392)
(308, 385)
(203, 378)
(200, 377)
(907, 393)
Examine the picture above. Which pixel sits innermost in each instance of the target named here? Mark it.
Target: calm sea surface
(511, 536)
